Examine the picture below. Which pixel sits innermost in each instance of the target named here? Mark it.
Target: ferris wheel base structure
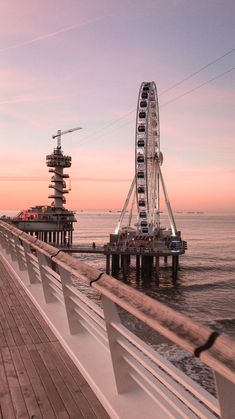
(146, 238)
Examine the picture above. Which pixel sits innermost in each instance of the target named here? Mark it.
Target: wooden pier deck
(37, 377)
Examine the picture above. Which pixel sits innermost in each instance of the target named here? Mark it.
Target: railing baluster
(226, 396)
(31, 273)
(123, 380)
(74, 325)
(13, 251)
(20, 260)
(43, 263)
(7, 246)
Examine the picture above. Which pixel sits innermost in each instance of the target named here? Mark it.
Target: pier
(129, 377)
(147, 260)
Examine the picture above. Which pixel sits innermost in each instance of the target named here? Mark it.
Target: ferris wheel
(148, 160)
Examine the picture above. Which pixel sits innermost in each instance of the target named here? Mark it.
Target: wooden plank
(48, 384)
(3, 341)
(6, 404)
(40, 393)
(14, 386)
(35, 329)
(26, 387)
(6, 307)
(69, 403)
(28, 332)
(30, 321)
(70, 382)
(83, 385)
(14, 306)
(6, 329)
(31, 311)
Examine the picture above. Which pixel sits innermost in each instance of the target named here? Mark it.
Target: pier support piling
(175, 264)
(115, 264)
(108, 264)
(137, 263)
(157, 266)
(124, 259)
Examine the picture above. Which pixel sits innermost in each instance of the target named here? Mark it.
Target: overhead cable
(197, 71)
(199, 86)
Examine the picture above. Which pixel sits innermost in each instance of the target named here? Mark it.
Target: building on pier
(52, 223)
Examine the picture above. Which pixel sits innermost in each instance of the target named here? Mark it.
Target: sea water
(205, 289)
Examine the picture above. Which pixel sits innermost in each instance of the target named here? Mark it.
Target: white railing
(130, 378)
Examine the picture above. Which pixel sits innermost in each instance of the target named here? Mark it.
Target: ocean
(205, 289)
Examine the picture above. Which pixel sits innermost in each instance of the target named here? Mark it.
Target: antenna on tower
(60, 133)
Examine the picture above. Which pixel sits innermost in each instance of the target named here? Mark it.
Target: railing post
(31, 273)
(74, 325)
(20, 260)
(7, 245)
(43, 264)
(13, 250)
(2, 240)
(123, 380)
(226, 396)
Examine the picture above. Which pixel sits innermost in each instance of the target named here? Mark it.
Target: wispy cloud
(55, 33)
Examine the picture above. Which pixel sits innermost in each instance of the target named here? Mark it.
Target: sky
(69, 63)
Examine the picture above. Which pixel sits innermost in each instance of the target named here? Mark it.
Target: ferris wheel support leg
(170, 213)
(125, 206)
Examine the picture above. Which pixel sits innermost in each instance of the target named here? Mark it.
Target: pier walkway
(130, 379)
(37, 377)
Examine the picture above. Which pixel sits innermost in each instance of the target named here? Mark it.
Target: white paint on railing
(129, 377)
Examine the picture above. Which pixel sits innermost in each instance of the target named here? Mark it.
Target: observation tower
(53, 223)
(57, 162)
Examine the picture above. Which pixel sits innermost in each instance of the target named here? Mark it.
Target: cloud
(53, 34)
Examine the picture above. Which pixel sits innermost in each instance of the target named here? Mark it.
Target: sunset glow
(72, 63)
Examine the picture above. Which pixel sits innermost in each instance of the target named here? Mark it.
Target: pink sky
(70, 63)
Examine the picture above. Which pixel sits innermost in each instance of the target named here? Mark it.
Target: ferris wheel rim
(147, 149)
